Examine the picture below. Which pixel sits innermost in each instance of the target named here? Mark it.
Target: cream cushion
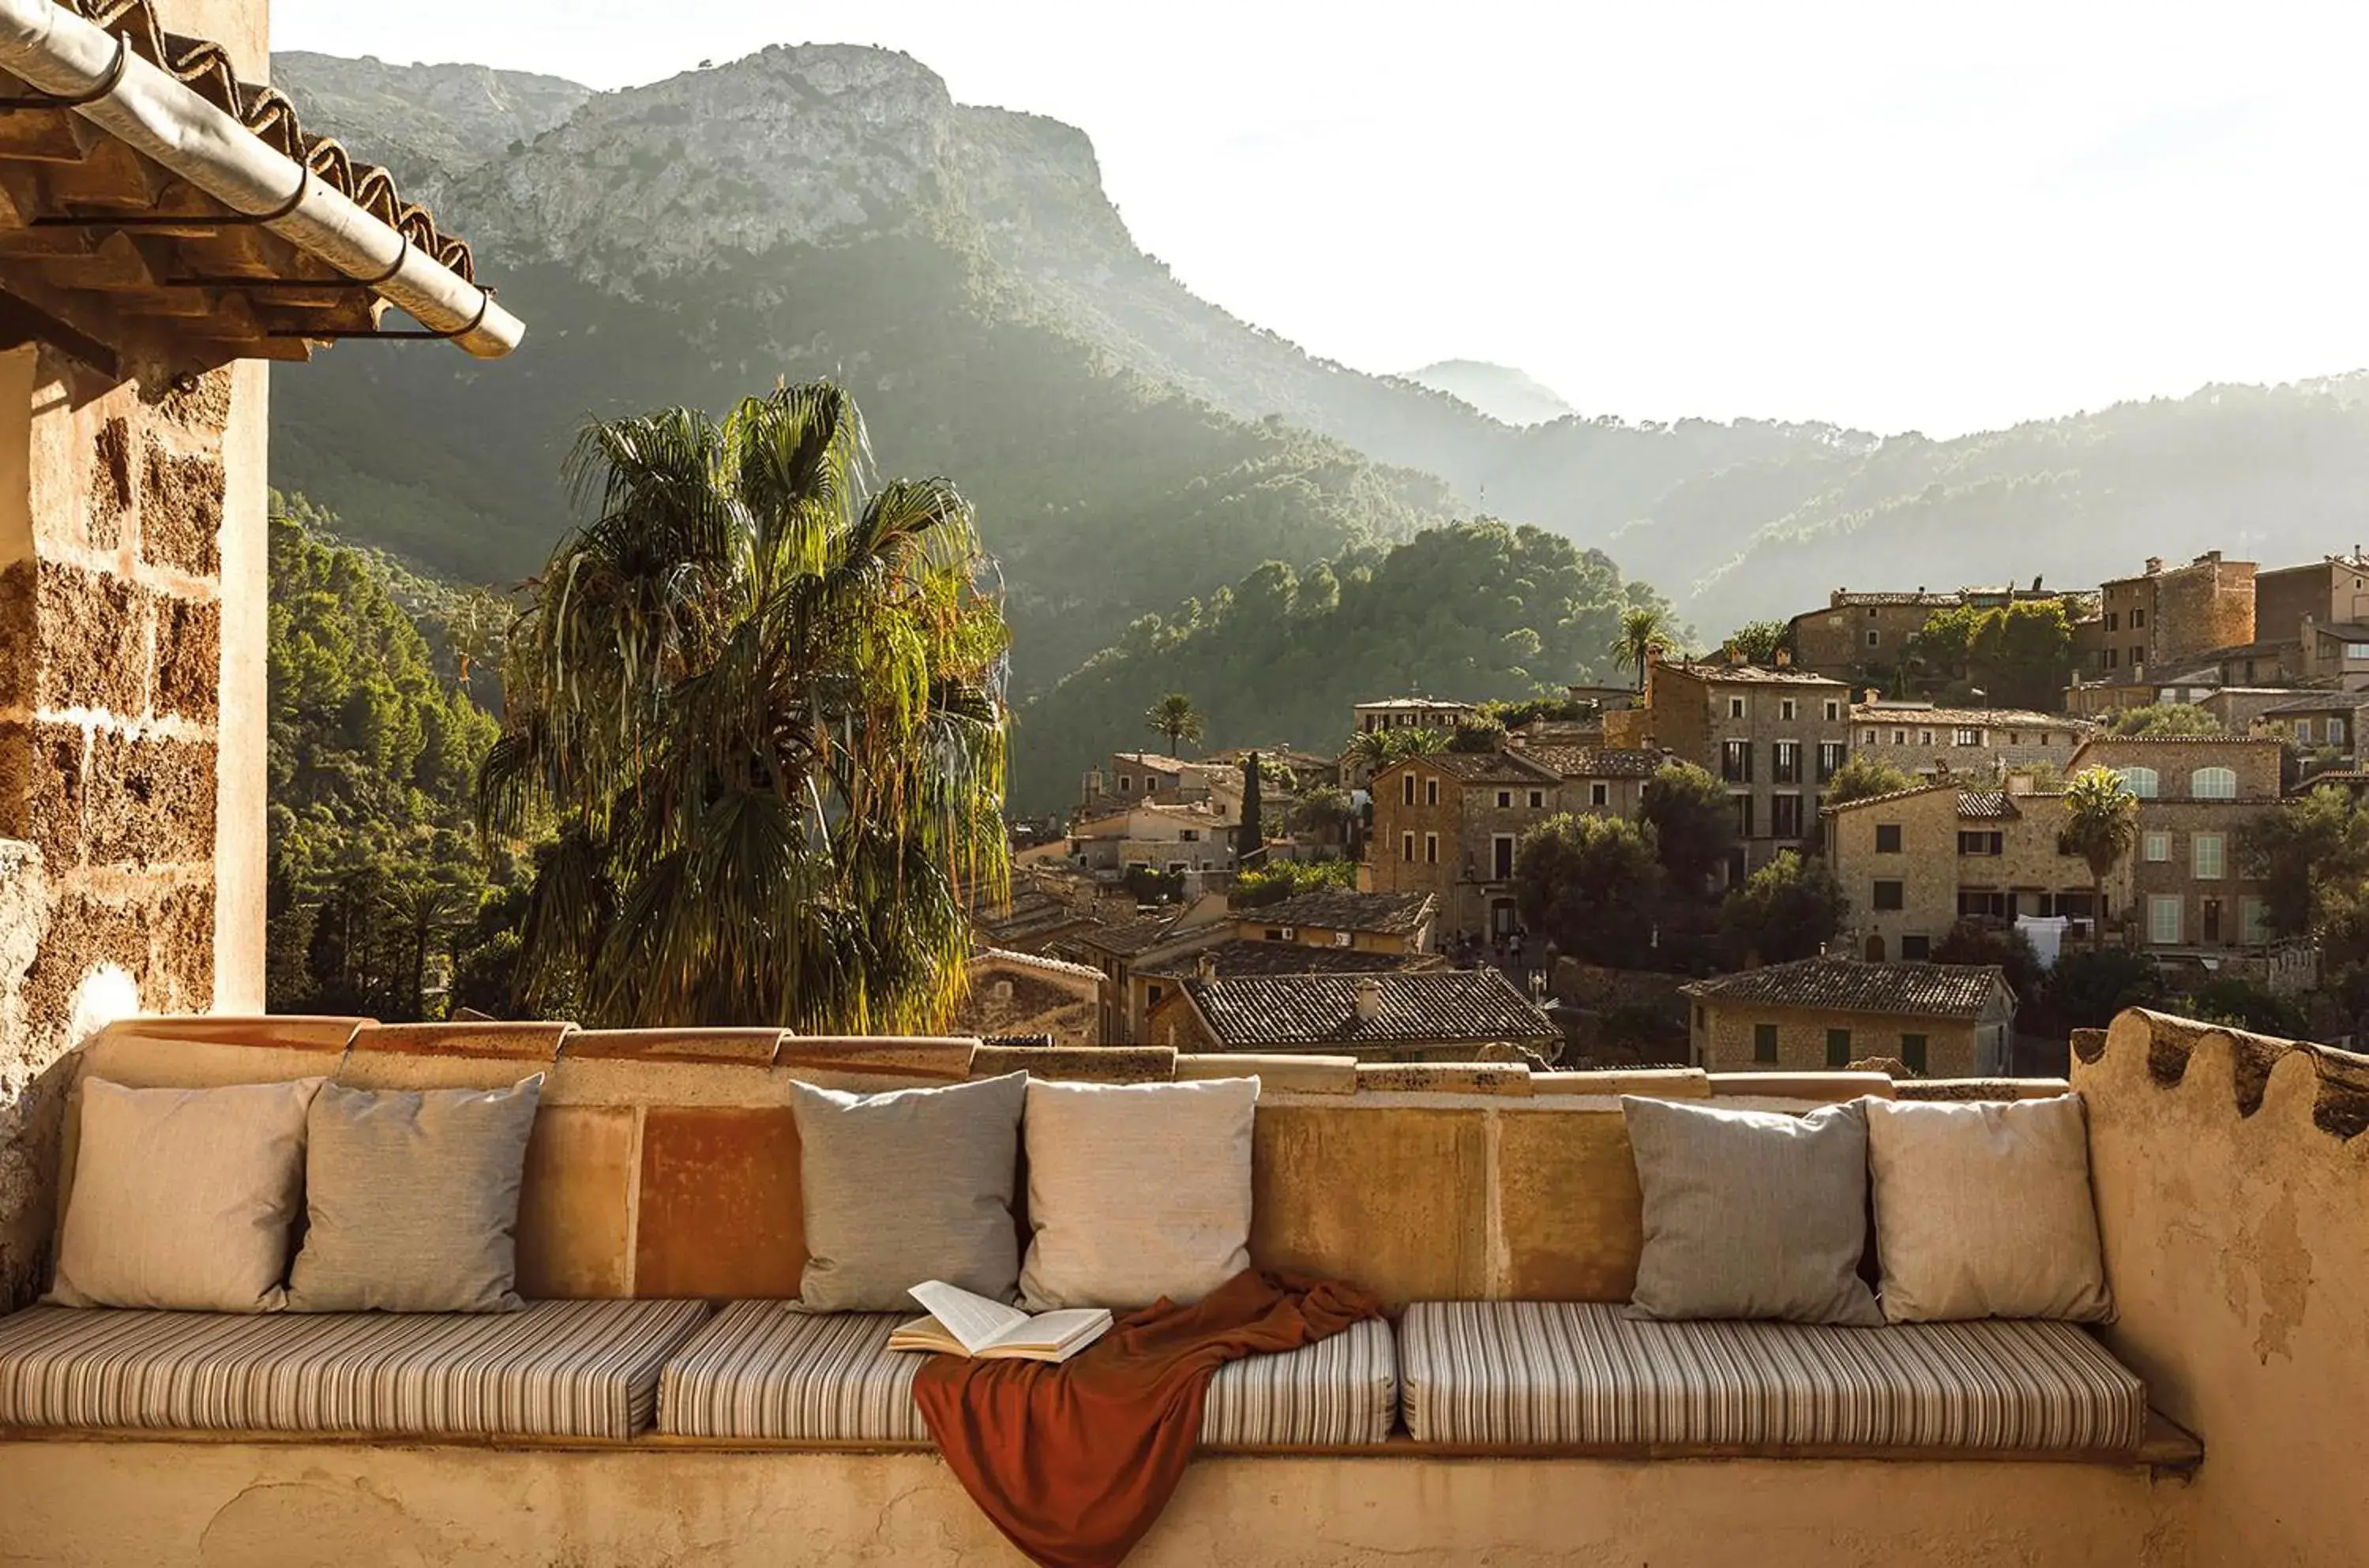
(1137, 1191)
(1983, 1211)
(182, 1197)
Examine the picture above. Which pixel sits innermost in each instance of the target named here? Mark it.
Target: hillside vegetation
(1474, 611)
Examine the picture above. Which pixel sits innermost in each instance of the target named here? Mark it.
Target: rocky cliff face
(424, 123)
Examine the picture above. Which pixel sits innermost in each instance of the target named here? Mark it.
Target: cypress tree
(1253, 839)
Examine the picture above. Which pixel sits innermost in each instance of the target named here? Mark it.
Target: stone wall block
(20, 639)
(181, 511)
(110, 484)
(41, 789)
(188, 660)
(152, 800)
(94, 638)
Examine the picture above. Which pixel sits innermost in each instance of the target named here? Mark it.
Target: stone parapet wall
(665, 1162)
(2232, 1183)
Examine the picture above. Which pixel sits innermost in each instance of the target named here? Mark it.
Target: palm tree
(1371, 751)
(1175, 716)
(1645, 632)
(2100, 824)
(759, 704)
(422, 913)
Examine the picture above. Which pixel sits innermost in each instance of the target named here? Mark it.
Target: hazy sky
(1896, 215)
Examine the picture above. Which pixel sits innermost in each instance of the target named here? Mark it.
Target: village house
(2164, 617)
(1857, 632)
(1774, 736)
(1027, 995)
(2196, 796)
(1450, 823)
(1925, 740)
(2237, 708)
(1152, 981)
(1364, 922)
(1155, 837)
(1915, 863)
(1936, 1020)
(1430, 1016)
(2335, 654)
(1407, 713)
(1119, 951)
(2326, 724)
(1131, 777)
(2332, 591)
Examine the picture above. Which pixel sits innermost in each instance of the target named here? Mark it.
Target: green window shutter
(1838, 1048)
(1912, 1052)
(1764, 1042)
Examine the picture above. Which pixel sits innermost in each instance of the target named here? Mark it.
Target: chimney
(1369, 998)
(2154, 564)
(1871, 696)
(1205, 967)
(1784, 658)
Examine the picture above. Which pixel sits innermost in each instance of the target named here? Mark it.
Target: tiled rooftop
(1595, 762)
(1990, 718)
(1477, 1005)
(1845, 985)
(1248, 956)
(1751, 674)
(1387, 913)
(1485, 767)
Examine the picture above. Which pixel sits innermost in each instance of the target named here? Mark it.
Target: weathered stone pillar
(141, 887)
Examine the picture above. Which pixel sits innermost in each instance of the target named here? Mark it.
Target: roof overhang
(148, 197)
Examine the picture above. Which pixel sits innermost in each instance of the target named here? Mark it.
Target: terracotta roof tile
(1595, 762)
(1460, 1006)
(1387, 913)
(1247, 957)
(1846, 985)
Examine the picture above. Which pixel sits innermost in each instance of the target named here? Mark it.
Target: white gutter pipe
(63, 56)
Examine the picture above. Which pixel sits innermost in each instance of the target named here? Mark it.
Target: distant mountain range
(1504, 394)
(832, 211)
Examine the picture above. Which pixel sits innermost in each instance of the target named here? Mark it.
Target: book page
(974, 1321)
(1051, 1331)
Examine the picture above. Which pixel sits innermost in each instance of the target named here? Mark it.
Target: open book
(963, 1323)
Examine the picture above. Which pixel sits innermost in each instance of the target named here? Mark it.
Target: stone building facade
(1936, 1020)
(1450, 823)
(2164, 617)
(1857, 632)
(1969, 744)
(1915, 863)
(2333, 590)
(1773, 737)
(2196, 796)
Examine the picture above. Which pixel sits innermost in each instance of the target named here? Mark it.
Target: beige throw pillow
(182, 1197)
(1982, 1211)
(411, 1200)
(1137, 1191)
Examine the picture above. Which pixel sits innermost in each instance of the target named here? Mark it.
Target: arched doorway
(1875, 949)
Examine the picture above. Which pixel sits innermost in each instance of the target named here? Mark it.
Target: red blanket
(1073, 1462)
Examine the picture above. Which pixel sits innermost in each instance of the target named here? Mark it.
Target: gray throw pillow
(906, 1187)
(411, 1199)
(1752, 1214)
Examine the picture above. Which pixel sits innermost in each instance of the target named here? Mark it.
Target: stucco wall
(2232, 1183)
(1724, 1039)
(303, 1506)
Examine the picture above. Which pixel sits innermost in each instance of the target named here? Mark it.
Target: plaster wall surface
(2231, 1181)
(115, 1504)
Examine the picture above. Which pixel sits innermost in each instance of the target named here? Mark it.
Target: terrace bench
(659, 1235)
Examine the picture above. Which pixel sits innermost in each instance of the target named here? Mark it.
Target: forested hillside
(1474, 611)
(830, 211)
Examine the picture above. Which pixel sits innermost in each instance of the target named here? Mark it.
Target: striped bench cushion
(762, 1372)
(1533, 1372)
(557, 1369)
